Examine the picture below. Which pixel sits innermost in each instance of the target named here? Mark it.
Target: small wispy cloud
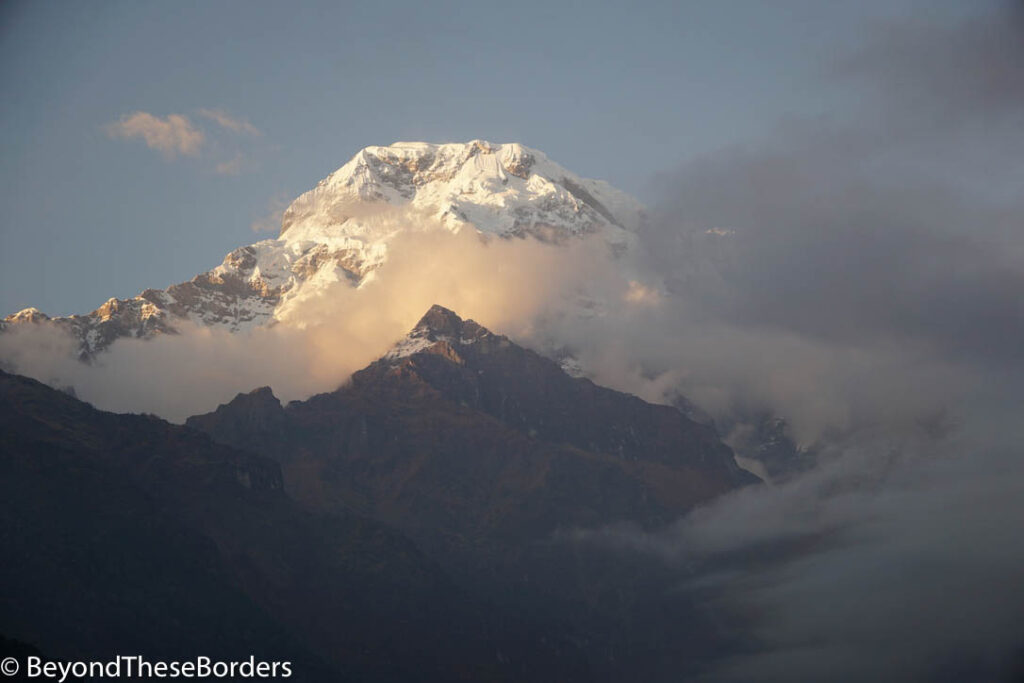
(178, 135)
(271, 221)
(170, 136)
(233, 166)
(234, 124)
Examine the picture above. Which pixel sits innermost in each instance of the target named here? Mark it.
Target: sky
(277, 95)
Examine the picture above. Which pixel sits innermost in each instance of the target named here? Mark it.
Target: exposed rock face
(765, 440)
(333, 234)
(249, 419)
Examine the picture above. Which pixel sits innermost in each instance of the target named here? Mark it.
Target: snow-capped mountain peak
(503, 189)
(340, 231)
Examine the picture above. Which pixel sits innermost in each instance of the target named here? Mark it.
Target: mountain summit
(504, 189)
(340, 231)
(454, 400)
(491, 459)
(438, 326)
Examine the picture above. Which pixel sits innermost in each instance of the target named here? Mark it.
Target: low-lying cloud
(891, 562)
(324, 336)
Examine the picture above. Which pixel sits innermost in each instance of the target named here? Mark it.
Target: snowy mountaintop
(341, 231)
(502, 189)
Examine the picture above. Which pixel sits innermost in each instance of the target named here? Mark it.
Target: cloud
(271, 220)
(225, 120)
(170, 136)
(948, 70)
(322, 338)
(864, 260)
(883, 564)
(867, 287)
(232, 167)
(835, 241)
(177, 135)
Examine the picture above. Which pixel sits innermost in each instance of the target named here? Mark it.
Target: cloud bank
(867, 276)
(323, 337)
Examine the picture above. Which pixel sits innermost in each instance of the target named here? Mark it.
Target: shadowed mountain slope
(459, 431)
(489, 456)
(124, 534)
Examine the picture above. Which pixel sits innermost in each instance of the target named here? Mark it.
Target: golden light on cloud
(639, 293)
(170, 136)
(231, 167)
(323, 334)
(232, 123)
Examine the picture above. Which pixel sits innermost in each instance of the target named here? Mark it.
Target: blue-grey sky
(610, 90)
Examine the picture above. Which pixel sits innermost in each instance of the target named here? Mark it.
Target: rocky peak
(259, 403)
(488, 416)
(440, 322)
(439, 327)
(255, 412)
(262, 396)
(27, 315)
(468, 365)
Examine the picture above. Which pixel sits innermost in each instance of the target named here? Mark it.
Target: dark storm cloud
(960, 70)
(898, 558)
(823, 237)
(905, 225)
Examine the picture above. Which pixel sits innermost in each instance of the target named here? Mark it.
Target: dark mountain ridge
(407, 526)
(124, 534)
(458, 429)
(482, 452)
